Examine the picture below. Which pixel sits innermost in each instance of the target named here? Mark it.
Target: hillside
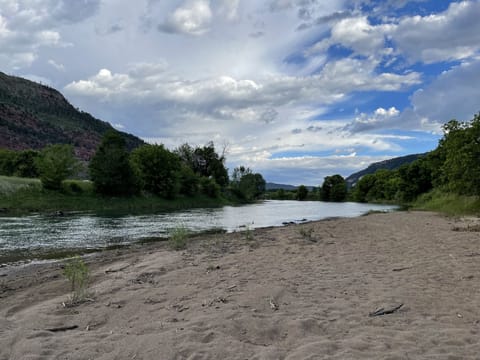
(34, 115)
(390, 164)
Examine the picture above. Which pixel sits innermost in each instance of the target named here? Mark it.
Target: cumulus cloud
(329, 86)
(451, 35)
(27, 27)
(453, 95)
(379, 120)
(192, 18)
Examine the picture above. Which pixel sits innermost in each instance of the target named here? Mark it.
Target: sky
(294, 89)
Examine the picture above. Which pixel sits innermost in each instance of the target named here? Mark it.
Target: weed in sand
(77, 272)
(178, 238)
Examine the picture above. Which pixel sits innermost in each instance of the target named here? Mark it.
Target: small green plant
(248, 234)
(77, 272)
(178, 238)
(306, 233)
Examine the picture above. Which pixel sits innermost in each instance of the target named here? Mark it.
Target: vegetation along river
(29, 236)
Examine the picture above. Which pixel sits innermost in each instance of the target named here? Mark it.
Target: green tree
(334, 188)
(7, 162)
(55, 164)
(461, 146)
(158, 169)
(302, 193)
(415, 179)
(25, 165)
(208, 163)
(189, 181)
(247, 185)
(110, 168)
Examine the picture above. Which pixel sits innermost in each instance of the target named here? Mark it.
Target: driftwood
(63, 328)
(382, 311)
(402, 268)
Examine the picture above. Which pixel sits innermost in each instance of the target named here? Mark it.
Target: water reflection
(91, 231)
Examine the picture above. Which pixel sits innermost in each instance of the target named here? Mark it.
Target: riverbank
(294, 292)
(23, 196)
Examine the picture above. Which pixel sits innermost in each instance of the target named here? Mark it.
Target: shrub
(178, 238)
(77, 272)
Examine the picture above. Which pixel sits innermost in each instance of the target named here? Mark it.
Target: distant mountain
(390, 164)
(273, 186)
(34, 115)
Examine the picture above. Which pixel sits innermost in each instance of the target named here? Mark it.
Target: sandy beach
(307, 291)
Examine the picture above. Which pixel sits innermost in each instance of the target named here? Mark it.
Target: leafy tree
(158, 169)
(7, 162)
(55, 164)
(302, 193)
(209, 187)
(461, 145)
(247, 185)
(25, 164)
(334, 188)
(110, 168)
(189, 181)
(209, 164)
(415, 179)
(205, 162)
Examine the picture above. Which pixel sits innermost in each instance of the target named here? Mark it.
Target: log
(63, 328)
(382, 311)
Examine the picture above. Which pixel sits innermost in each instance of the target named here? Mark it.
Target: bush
(77, 272)
(209, 187)
(178, 238)
(55, 163)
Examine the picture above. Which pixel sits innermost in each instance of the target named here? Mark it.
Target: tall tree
(302, 193)
(110, 168)
(334, 188)
(158, 169)
(461, 144)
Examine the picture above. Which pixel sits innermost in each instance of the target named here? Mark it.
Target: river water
(41, 233)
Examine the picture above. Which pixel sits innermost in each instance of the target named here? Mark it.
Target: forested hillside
(34, 115)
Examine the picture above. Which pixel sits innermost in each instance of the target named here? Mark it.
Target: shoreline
(292, 292)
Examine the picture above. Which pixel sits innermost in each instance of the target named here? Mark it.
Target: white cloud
(27, 26)
(59, 67)
(192, 18)
(451, 35)
(379, 120)
(227, 8)
(453, 95)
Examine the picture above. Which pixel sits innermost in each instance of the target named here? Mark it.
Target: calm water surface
(48, 233)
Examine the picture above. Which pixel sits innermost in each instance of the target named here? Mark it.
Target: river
(24, 237)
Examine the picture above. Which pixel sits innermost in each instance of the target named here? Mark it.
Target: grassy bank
(448, 203)
(18, 195)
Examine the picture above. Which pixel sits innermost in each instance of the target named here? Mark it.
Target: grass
(77, 272)
(306, 233)
(178, 238)
(10, 185)
(21, 196)
(448, 203)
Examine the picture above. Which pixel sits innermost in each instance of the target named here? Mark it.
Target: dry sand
(276, 295)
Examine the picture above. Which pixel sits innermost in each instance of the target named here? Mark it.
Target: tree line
(453, 167)
(148, 169)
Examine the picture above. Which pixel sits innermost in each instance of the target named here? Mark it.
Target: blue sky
(294, 89)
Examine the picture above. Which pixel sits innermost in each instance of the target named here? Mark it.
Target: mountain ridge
(390, 164)
(33, 116)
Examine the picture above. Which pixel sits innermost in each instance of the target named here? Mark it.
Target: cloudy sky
(294, 89)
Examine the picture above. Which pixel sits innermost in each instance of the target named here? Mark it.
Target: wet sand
(297, 292)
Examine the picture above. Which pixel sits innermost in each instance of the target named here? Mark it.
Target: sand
(277, 294)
